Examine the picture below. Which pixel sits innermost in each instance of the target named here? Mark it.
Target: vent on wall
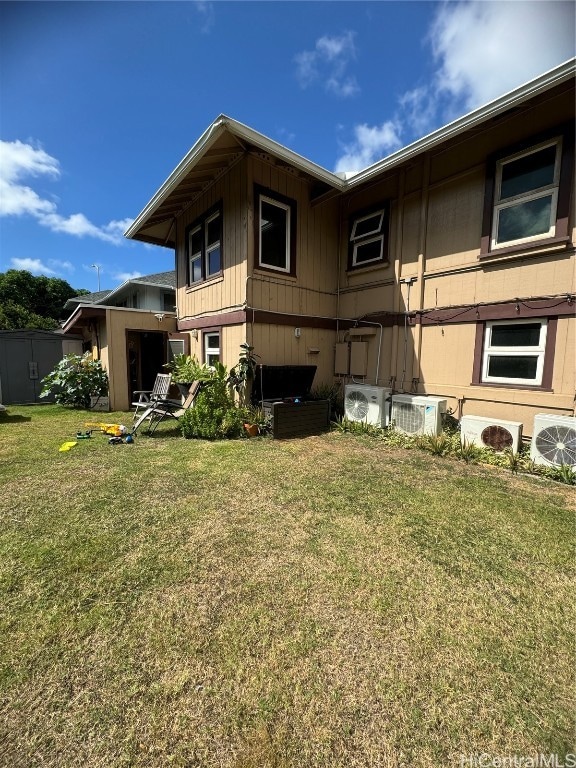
(554, 440)
(366, 403)
(418, 414)
(491, 433)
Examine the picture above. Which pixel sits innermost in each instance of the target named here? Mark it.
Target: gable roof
(159, 279)
(225, 141)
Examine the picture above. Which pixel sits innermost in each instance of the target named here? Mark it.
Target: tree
(27, 301)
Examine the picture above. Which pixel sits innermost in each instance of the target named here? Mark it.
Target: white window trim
(208, 351)
(288, 211)
(211, 246)
(537, 351)
(193, 257)
(366, 238)
(356, 263)
(376, 231)
(550, 190)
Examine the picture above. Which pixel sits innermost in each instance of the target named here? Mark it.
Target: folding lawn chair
(166, 409)
(148, 396)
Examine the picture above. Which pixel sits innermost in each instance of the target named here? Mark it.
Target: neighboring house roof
(159, 279)
(226, 141)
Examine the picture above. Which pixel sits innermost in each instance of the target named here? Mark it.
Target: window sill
(265, 272)
(209, 281)
(527, 249)
(523, 387)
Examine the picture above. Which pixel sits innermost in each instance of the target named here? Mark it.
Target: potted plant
(185, 369)
(255, 421)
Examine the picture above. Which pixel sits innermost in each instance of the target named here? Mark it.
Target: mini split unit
(418, 414)
(491, 433)
(554, 440)
(366, 403)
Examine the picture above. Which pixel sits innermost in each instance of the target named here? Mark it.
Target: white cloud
(485, 49)
(206, 12)
(369, 145)
(35, 266)
(481, 50)
(19, 161)
(328, 63)
(122, 277)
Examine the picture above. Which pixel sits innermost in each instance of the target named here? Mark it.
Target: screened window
(368, 239)
(205, 247)
(212, 348)
(526, 195)
(514, 352)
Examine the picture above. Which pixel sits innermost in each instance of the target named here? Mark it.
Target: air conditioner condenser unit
(366, 403)
(485, 432)
(554, 440)
(418, 414)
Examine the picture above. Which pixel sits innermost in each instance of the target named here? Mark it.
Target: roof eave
(208, 138)
(555, 76)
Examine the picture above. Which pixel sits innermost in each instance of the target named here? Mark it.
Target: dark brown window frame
(564, 132)
(548, 367)
(386, 208)
(260, 191)
(200, 221)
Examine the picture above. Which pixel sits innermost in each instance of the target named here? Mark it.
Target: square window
(514, 352)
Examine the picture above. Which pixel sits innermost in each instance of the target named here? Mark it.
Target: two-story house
(447, 268)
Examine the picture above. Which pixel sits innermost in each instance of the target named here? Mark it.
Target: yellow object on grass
(116, 430)
(67, 446)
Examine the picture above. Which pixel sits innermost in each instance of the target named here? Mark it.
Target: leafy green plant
(214, 415)
(468, 452)
(242, 374)
(256, 416)
(185, 369)
(332, 393)
(438, 445)
(563, 474)
(75, 380)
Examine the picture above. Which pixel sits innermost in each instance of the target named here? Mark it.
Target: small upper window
(526, 195)
(368, 236)
(276, 229)
(205, 247)
(514, 352)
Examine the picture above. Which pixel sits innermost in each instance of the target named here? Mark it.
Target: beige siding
(313, 290)
(228, 291)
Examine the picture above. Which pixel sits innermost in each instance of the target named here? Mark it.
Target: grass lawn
(318, 603)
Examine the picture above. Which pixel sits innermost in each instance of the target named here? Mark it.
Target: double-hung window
(368, 238)
(514, 352)
(526, 195)
(528, 192)
(205, 247)
(275, 232)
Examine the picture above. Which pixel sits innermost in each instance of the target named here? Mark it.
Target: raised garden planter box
(298, 419)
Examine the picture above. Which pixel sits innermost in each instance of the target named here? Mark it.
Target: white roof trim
(208, 138)
(524, 92)
(345, 181)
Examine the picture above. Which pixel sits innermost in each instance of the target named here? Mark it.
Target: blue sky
(99, 101)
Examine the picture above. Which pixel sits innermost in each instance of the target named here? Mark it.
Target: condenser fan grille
(409, 417)
(356, 405)
(557, 444)
(497, 437)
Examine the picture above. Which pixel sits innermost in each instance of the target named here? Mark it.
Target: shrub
(214, 415)
(75, 380)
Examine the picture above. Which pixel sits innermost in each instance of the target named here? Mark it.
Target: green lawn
(319, 603)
